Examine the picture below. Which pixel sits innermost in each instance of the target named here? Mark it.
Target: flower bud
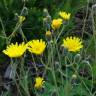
(85, 62)
(45, 12)
(74, 76)
(22, 18)
(77, 58)
(48, 18)
(48, 33)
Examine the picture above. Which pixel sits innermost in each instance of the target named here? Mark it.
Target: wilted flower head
(15, 50)
(39, 81)
(64, 15)
(56, 23)
(36, 46)
(73, 44)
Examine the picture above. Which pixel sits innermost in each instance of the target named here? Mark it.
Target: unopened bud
(49, 18)
(21, 19)
(48, 33)
(51, 42)
(85, 62)
(45, 12)
(74, 76)
(44, 20)
(77, 58)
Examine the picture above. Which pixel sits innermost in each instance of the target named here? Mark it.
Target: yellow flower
(73, 44)
(36, 46)
(15, 50)
(39, 81)
(48, 33)
(64, 15)
(56, 23)
(21, 19)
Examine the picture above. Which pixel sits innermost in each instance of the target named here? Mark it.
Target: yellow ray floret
(73, 44)
(15, 50)
(64, 15)
(36, 46)
(39, 81)
(56, 23)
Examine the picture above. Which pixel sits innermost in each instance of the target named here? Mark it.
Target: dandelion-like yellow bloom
(64, 15)
(56, 23)
(48, 33)
(21, 19)
(39, 81)
(36, 46)
(15, 50)
(73, 44)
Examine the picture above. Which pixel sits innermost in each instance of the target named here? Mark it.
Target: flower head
(73, 44)
(15, 50)
(64, 15)
(21, 19)
(56, 23)
(39, 81)
(36, 46)
(48, 33)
